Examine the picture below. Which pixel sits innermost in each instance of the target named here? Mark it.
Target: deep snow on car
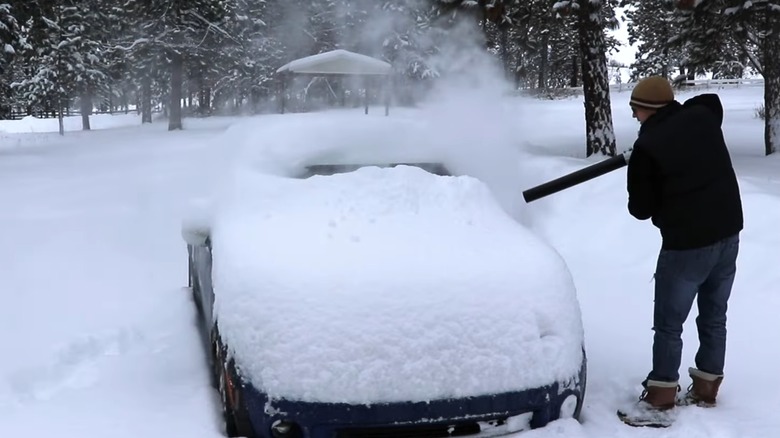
(352, 293)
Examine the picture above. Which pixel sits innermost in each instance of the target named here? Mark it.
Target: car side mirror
(194, 234)
(196, 222)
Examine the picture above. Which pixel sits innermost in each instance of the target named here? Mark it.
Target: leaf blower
(577, 177)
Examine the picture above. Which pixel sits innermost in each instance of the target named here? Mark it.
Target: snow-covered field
(99, 333)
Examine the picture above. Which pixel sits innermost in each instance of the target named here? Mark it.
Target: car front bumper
(479, 416)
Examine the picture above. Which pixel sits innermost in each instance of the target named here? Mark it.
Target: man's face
(641, 114)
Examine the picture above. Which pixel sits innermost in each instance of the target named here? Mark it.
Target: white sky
(625, 54)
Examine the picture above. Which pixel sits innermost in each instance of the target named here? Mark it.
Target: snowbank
(388, 285)
(72, 123)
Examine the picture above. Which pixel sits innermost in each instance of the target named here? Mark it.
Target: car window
(330, 169)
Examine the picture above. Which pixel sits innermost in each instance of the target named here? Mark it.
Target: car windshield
(331, 169)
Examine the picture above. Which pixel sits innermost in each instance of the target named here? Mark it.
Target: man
(680, 175)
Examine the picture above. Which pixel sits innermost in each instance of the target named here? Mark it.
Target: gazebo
(336, 63)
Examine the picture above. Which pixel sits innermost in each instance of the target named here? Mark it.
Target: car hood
(386, 285)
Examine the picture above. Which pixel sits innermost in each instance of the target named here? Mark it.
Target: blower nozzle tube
(577, 177)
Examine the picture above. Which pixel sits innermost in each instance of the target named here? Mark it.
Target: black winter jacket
(680, 175)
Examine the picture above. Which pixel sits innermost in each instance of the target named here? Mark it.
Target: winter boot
(655, 405)
(703, 390)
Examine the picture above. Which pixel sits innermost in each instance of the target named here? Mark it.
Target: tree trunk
(146, 100)
(665, 68)
(504, 42)
(111, 107)
(206, 107)
(575, 70)
(6, 109)
(483, 19)
(595, 81)
(772, 82)
(86, 110)
(201, 99)
(60, 120)
(174, 121)
(543, 62)
(184, 94)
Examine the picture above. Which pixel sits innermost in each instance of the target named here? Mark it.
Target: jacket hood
(709, 100)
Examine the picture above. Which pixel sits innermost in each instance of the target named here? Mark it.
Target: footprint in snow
(74, 366)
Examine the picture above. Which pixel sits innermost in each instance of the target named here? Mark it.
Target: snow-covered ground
(99, 333)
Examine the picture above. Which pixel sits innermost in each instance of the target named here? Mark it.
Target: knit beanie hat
(652, 92)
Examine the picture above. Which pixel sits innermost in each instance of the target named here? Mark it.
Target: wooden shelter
(337, 63)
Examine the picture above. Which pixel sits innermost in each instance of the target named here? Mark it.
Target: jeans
(681, 275)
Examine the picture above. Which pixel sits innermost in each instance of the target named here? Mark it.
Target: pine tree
(81, 52)
(9, 36)
(45, 82)
(170, 33)
(592, 19)
(135, 50)
(117, 66)
(357, 19)
(727, 35)
(406, 46)
(10, 43)
(771, 72)
(63, 59)
(409, 44)
(533, 35)
(247, 69)
(758, 23)
(654, 25)
(705, 37)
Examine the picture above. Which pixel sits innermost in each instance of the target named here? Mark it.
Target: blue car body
(249, 412)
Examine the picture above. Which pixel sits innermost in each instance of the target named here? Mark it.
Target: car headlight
(569, 406)
(285, 429)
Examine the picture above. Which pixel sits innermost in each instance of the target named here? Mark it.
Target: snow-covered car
(361, 295)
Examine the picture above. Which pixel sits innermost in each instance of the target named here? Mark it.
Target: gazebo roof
(338, 62)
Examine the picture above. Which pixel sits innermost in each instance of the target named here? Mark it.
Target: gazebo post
(388, 82)
(343, 86)
(282, 92)
(365, 96)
